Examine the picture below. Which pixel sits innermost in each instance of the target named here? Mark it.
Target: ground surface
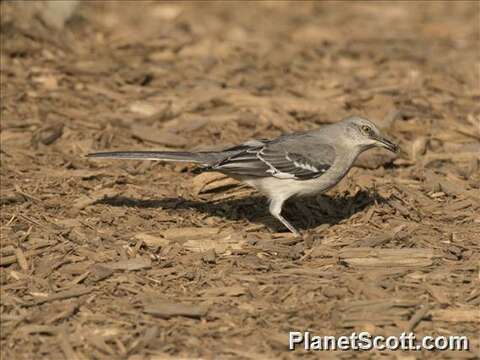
(104, 259)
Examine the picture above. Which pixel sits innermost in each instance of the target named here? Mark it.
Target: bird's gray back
(315, 147)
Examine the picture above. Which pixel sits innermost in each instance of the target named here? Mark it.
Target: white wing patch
(306, 166)
(287, 175)
(272, 170)
(280, 175)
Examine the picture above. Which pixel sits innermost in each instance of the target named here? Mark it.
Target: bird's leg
(276, 210)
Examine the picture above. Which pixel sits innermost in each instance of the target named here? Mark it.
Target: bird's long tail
(198, 158)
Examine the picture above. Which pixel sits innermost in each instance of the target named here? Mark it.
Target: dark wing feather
(275, 160)
(245, 162)
(292, 165)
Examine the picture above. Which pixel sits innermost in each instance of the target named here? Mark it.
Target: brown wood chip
(137, 263)
(168, 310)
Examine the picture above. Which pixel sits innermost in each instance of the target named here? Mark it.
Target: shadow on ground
(304, 213)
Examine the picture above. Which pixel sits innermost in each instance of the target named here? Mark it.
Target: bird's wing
(283, 160)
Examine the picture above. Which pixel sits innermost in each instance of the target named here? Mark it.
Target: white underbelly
(288, 187)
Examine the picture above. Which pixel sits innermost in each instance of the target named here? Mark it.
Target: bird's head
(365, 134)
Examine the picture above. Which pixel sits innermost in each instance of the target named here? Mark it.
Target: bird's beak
(387, 144)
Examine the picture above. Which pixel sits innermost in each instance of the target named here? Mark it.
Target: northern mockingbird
(291, 165)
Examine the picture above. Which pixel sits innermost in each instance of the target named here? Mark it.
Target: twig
(66, 347)
(28, 196)
(21, 259)
(31, 220)
(61, 296)
(417, 317)
(12, 259)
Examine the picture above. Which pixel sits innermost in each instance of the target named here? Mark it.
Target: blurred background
(113, 239)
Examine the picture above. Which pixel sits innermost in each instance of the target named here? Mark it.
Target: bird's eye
(366, 129)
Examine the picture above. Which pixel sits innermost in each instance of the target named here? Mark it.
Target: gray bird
(291, 165)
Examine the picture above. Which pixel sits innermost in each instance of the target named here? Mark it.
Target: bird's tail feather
(153, 155)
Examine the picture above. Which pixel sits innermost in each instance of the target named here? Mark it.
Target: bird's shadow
(305, 213)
